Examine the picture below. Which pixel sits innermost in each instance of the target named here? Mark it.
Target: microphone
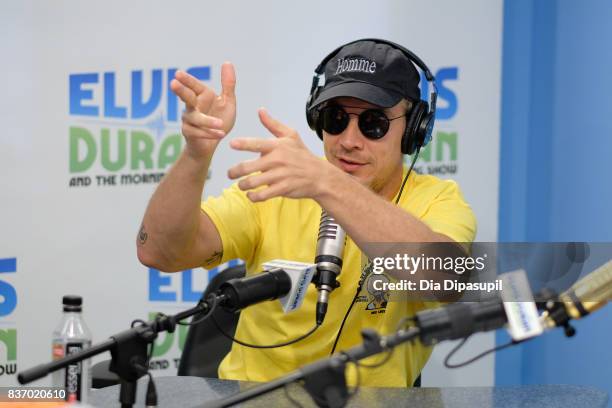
(585, 296)
(330, 246)
(283, 280)
(300, 274)
(458, 320)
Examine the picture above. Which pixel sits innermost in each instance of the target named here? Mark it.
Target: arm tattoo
(142, 235)
(215, 257)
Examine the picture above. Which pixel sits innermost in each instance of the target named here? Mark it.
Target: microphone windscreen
(300, 274)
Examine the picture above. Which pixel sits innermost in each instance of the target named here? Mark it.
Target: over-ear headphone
(420, 120)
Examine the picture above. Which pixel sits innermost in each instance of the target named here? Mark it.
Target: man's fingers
(201, 120)
(196, 132)
(202, 97)
(228, 80)
(183, 92)
(252, 144)
(274, 126)
(190, 82)
(264, 194)
(249, 167)
(261, 179)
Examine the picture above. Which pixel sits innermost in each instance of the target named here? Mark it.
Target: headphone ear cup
(426, 128)
(309, 116)
(413, 139)
(313, 114)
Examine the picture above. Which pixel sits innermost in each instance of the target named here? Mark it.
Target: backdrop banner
(90, 127)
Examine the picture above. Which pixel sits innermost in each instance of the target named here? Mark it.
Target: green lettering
(169, 151)
(162, 347)
(425, 154)
(142, 150)
(446, 139)
(78, 136)
(119, 163)
(9, 338)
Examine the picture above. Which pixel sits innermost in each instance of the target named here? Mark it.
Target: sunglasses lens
(373, 124)
(334, 120)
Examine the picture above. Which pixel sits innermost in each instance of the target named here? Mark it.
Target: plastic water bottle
(70, 336)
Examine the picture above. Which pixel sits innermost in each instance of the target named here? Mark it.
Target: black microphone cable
(214, 301)
(361, 281)
(243, 343)
(360, 284)
(364, 274)
(414, 159)
(462, 342)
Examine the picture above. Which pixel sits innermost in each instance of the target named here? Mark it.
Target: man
(273, 211)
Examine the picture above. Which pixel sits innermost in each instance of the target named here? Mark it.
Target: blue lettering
(110, 109)
(8, 265)
(202, 73)
(156, 281)
(172, 100)
(300, 292)
(140, 108)
(444, 93)
(187, 283)
(7, 291)
(78, 94)
(9, 294)
(212, 273)
(215, 271)
(424, 84)
(141, 105)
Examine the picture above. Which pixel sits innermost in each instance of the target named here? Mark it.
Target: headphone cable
(414, 159)
(362, 279)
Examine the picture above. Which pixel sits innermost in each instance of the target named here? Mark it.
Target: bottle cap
(72, 303)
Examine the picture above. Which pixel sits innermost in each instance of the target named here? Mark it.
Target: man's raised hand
(208, 117)
(285, 167)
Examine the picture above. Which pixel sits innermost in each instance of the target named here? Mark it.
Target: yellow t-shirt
(282, 228)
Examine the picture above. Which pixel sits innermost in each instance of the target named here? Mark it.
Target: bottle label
(74, 374)
(58, 351)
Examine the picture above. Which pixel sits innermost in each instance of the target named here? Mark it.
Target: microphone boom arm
(316, 375)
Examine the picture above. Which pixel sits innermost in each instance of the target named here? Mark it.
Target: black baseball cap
(372, 71)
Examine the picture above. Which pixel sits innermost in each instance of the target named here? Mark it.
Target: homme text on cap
(355, 65)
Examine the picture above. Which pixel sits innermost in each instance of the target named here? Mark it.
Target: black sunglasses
(373, 123)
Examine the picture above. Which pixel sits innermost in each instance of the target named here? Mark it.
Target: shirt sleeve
(449, 214)
(237, 221)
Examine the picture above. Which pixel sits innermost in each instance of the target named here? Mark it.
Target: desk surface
(195, 391)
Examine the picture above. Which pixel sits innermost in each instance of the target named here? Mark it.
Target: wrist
(197, 164)
(199, 156)
(328, 183)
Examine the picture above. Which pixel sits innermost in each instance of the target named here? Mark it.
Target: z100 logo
(8, 332)
(440, 155)
(126, 127)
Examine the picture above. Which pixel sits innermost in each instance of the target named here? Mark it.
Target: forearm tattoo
(142, 235)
